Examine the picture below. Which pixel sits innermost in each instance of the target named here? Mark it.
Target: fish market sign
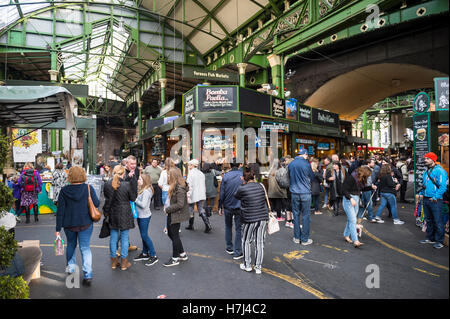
(205, 74)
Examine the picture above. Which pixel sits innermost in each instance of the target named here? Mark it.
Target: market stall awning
(35, 105)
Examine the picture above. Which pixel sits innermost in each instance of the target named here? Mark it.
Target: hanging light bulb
(121, 29)
(100, 100)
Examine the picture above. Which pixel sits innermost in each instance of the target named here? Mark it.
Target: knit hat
(431, 156)
(194, 162)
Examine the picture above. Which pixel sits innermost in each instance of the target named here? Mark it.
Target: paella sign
(27, 146)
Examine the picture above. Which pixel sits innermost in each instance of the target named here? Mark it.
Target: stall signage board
(272, 126)
(96, 181)
(325, 118)
(311, 150)
(421, 130)
(421, 103)
(291, 110)
(26, 147)
(278, 108)
(323, 146)
(304, 141)
(205, 74)
(217, 98)
(441, 87)
(304, 114)
(189, 102)
(167, 108)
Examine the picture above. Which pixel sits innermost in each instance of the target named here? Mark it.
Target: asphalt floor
(329, 268)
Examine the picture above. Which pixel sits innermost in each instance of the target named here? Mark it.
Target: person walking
(351, 189)
(255, 216)
(197, 194)
(145, 194)
(211, 185)
(73, 215)
(132, 176)
(367, 193)
(402, 166)
(388, 189)
(300, 176)
(164, 185)
(31, 183)
(315, 186)
(230, 206)
(59, 181)
(118, 195)
(335, 178)
(154, 171)
(177, 212)
(275, 192)
(434, 180)
(326, 163)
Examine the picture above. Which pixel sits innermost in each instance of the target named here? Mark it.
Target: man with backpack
(434, 181)
(31, 186)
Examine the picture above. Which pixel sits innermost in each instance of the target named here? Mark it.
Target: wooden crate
(33, 243)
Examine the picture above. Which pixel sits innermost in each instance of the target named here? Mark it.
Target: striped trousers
(253, 232)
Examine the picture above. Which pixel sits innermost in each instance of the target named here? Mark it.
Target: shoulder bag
(272, 226)
(93, 211)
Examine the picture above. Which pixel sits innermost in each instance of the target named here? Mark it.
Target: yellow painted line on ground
(426, 272)
(404, 252)
(335, 248)
(293, 281)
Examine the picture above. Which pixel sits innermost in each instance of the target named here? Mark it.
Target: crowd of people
(293, 190)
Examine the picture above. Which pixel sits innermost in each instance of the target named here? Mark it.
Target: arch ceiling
(352, 93)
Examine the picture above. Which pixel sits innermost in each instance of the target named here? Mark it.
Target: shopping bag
(273, 225)
(59, 246)
(134, 210)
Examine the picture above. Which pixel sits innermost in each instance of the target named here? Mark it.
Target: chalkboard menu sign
(189, 102)
(441, 87)
(96, 182)
(278, 107)
(421, 128)
(421, 103)
(304, 113)
(325, 118)
(217, 98)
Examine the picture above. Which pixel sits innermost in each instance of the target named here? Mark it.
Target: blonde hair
(175, 178)
(28, 165)
(168, 164)
(118, 171)
(76, 175)
(314, 165)
(147, 183)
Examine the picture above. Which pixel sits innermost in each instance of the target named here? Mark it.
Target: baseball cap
(302, 151)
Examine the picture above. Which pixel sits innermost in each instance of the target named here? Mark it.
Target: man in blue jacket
(231, 205)
(300, 177)
(435, 184)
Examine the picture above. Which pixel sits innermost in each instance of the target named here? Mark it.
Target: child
(16, 187)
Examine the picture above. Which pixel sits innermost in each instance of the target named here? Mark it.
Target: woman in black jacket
(388, 189)
(255, 216)
(351, 189)
(177, 212)
(335, 177)
(118, 195)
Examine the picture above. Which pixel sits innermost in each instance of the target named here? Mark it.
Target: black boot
(27, 214)
(191, 223)
(207, 223)
(36, 213)
(208, 211)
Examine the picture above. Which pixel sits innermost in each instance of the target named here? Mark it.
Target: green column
(140, 103)
(275, 65)
(163, 83)
(53, 140)
(242, 67)
(364, 127)
(60, 135)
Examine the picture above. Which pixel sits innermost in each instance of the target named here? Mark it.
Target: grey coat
(211, 190)
(179, 208)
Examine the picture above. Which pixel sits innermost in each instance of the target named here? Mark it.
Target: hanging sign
(291, 109)
(189, 102)
(304, 113)
(325, 118)
(421, 103)
(217, 98)
(441, 87)
(272, 126)
(421, 130)
(205, 74)
(278, 108)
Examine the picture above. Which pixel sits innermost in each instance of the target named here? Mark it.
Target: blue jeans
(315, 199)
(366, 201)
(229, 232)
(84, 239)
(388, 199)
(301, 203)
(147, 244)
(327, 191)
(433, 216)
(351, 211)
(114, 240)
(164, 197)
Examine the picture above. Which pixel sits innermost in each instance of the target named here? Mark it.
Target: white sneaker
(379, 220)
(248, 269)
(324, 206)
(309, 242)
(297, 241)
(258, 271)
(398, 222)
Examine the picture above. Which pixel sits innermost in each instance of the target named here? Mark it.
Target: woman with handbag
(351, 188)
(118, 195)
(73, 214)
(335, 177)
(255, 216)
(177, 212)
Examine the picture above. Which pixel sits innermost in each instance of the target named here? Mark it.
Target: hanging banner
(421, 129)
(304, 113)
(189, 102)
(325, 118)
(27, 147)
(441, 87)
(278, 107)
(291, 109)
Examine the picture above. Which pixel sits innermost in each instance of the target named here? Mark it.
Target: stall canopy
(35, 105)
